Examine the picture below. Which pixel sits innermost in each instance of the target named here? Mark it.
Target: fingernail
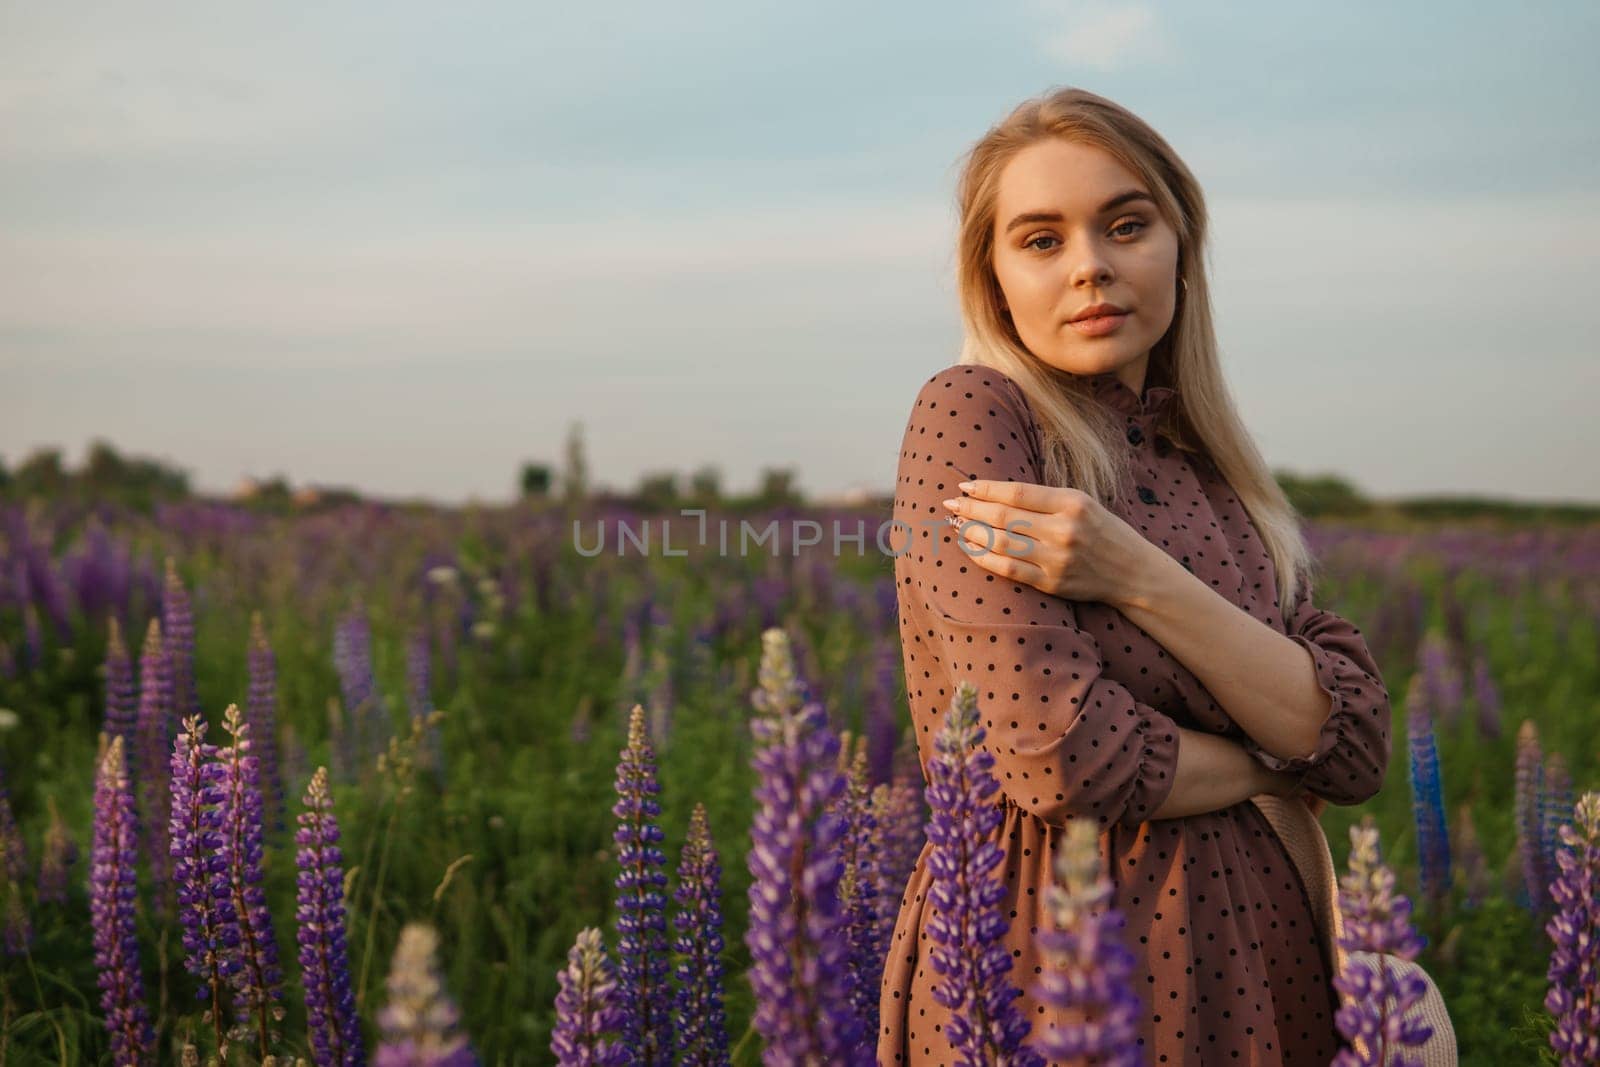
(951, 504)
(965, 486)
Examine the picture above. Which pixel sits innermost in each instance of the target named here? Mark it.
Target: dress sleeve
(1352, 752)
(1067, 740)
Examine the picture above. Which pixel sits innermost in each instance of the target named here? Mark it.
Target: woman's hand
(1059, 540)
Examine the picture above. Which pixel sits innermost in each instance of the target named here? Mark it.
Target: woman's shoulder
(964, 388)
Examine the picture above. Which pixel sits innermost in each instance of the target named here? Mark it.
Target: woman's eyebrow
(1056, 216)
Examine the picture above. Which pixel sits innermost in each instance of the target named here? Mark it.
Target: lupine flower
(643, 965)
(121, 696)
(113, 899)
(858, 887)
(796, 930)
(258, 981)
(177, 629)
(1574, 972)
(419, 694)
(149, 770)
(1473, 869)
(1555, 807)
(60, 853)
(700, 1022)
(261, 712)
(1376, 922)
(211, 934)
(898, 812)
(352, 657)
(1427, 799)
(1439, 678)
(966, 926)
(588, 1008)
(1486, 695)
(1089, 969)
(320, 932)
(1529, 818)
(419, 1023)
(883, 710)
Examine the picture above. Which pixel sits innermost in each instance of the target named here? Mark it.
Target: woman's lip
(1099, 324)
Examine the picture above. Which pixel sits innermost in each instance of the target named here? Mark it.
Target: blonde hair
(1082, 441)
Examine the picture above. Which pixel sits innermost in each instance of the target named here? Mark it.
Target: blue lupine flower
(113, 900)
(324, 956)
(642, 952)
(701, 1022)
(1427, 799)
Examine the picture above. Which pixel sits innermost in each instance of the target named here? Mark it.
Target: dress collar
(1113, 392)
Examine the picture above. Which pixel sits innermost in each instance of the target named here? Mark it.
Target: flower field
(405, 786)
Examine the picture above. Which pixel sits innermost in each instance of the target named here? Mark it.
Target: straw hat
(1303, 838)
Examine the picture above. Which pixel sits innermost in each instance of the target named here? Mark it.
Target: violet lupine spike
(701, 1023)
(150, 769)
(1574, 971)
(113, 900)
(1427, 799)
(966, 926)
(1486, 697)
(261, 712)
(643, 966)
(122, 699)
(1438, 677)
(258, 981)
(796, 933)
(1555, 808)
(1088, 972)
(324, 954)
(1528, 818)
(897, 810)
(858, 887)
(60, 853)
(177, 628)
(211, 934)
(420, 1021)
(1377, 922)
(588, 1010)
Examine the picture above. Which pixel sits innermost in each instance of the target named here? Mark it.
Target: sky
(407, 247)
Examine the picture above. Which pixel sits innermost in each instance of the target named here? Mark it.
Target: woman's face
(1066, 239)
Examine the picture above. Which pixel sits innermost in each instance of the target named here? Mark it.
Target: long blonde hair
(1082, 441)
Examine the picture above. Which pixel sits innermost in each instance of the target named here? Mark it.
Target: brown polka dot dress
(1081, 708)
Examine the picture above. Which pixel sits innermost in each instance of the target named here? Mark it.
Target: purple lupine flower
(419, 697)
(113, 899)
(883, 709)
(1529, 821)
(258, 981)
(352, 654)
(60, 853)
(149, 770)
(121, 697)
(1427, 799)
(1439, 678)
(701, 1022)
(796, 930)
(1377, 924)
(1574, 972)
(177, 629)
(211, 934)
(966, 926)
(261, 712)
(642, 961)
(1555, 808)
(419, 1023)
(1473, 869)
(898, 812)
(1486, 696)
(1089, 968)
(588, 1008)
(320, 932)
(858, 887)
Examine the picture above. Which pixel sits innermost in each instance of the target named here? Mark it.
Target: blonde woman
(1129, 590)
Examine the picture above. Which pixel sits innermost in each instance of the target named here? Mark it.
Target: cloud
(1099, 35)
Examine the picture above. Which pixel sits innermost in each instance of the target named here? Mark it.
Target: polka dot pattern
(1081, 709)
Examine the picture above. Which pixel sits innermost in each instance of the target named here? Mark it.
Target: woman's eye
(1128, 222)
(1036, 240)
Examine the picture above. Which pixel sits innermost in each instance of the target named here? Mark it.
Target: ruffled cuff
(1158, 767)
(1332, 726)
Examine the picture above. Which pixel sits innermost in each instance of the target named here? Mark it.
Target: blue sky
(404, 247)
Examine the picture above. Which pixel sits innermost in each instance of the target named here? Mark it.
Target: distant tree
(41, 473)
(705, 485)
(104, 470)
(575, 479)
(658, 492)
(5, 475)
(1325, 494)
(777, 487)
(535, 479)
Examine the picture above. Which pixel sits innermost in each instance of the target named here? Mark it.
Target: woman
(1116, 590)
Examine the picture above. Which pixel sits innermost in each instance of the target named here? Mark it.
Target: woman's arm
(1215, 773)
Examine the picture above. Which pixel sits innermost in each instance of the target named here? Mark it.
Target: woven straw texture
(1307, 845)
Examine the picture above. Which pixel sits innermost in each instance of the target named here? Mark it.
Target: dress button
(1135, 435)
(1147, 494)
